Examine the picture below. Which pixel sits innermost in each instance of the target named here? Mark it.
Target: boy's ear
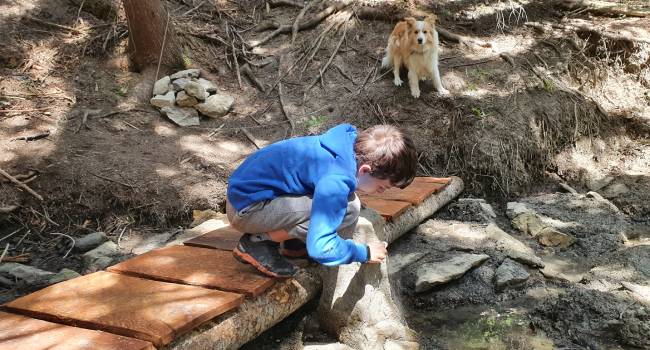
(364, 169)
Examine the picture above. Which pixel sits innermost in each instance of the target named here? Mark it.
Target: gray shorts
(290, 213)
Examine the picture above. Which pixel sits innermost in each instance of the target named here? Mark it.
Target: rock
(563, 269)
(100, 257)
(89, 241)
(63, 275)
(515, 208)
(26, 273)
(640, 293)
(5, 282)
(185, 100)
(528, 222)
(166, 100)
(182, 116)
(597, 184)
(472, 209)
(153, 242)
(209, 86)
(188, 73)
(179, 84)
(512, 247)
(216, 105)
(195, 89)
(399, 261)
(510, 273)
(615, 190)
(432, 274)
(551, 237)
(162, 86)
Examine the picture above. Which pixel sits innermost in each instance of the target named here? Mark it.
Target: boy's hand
(378, 252)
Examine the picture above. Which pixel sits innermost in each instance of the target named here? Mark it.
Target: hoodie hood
(340, 140)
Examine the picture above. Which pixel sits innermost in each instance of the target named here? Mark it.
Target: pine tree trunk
(150, 27)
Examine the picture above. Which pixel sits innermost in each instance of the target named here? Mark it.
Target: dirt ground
(553, 96)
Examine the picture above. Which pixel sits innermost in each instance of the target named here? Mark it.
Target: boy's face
(370, 184)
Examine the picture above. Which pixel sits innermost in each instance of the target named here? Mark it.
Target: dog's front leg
(414, 83)
(437, 82)
(397, 64)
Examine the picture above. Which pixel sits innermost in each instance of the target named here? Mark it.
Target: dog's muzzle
(420, 40)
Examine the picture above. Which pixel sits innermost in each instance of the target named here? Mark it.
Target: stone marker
(196, 90)
(27, 273)
(188, 73)
(182, 116)
(179, 84)
(510, 273)
(216, 106)
(166, 100)
(161, 87)
(430, 275)
(209, 86)
(397, 262)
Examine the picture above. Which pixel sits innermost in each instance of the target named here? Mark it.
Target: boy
(305, 187)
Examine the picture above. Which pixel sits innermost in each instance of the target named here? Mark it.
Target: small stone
(399, 261)
(179, 84)
(512, 247)
(529, 223)
(182, 116)
(563, 269)
(209, 86)
(161, 87)
(216, 105)
(27, 273)
(185, 100)
(205, 227)
(166, 100)
(432, 274)
(89, 241)
(152, 243)
(392, 344)
(6, 283)
(63, 275)
(510, 273)
(515, 208)
(188, 73)
(551, 237)
(100, 257)
(195, 89)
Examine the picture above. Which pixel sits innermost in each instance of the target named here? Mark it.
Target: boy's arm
(328, 210)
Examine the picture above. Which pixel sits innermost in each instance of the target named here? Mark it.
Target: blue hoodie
(323, 166)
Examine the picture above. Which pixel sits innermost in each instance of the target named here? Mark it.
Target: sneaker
(264, 256)
(293, 248)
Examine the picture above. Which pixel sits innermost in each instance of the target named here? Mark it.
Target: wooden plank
(386, 208)
(203, 267)
(148, 310)
(225, 238)
(20, 332)
(417, 192)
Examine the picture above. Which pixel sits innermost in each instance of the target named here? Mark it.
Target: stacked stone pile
(184, 94)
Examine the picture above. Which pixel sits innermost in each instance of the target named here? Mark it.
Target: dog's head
(420, 33)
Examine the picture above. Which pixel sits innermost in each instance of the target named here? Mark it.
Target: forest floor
(539, 96)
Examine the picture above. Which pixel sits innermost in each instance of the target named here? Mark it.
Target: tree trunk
(150, 28)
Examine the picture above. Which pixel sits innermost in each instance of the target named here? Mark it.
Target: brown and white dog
(414, 45)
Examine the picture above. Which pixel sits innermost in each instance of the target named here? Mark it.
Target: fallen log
(356, 303)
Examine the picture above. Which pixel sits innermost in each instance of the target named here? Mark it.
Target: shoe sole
(247, 259)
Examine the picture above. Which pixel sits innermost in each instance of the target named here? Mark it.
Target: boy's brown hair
(390, 153)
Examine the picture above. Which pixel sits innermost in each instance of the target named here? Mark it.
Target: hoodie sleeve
(328, 210)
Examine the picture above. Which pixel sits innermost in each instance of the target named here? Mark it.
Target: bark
(150, 28)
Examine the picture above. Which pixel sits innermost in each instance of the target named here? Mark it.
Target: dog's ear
(411, 22)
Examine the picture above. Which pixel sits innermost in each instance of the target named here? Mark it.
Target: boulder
(166, 100)
(515, 208)
(188, 73)
(615, 190)
(510, 273)
(597, 184)
(185, 100)
(182, 116)
(29, 274)
(216, 106)
(513, 247)
(89, 241)
(397, 262)
(101, 257)
(196, 90)
(551, 237)
(209, 86)
(528, 222)
(162, 86)
(430, 275)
